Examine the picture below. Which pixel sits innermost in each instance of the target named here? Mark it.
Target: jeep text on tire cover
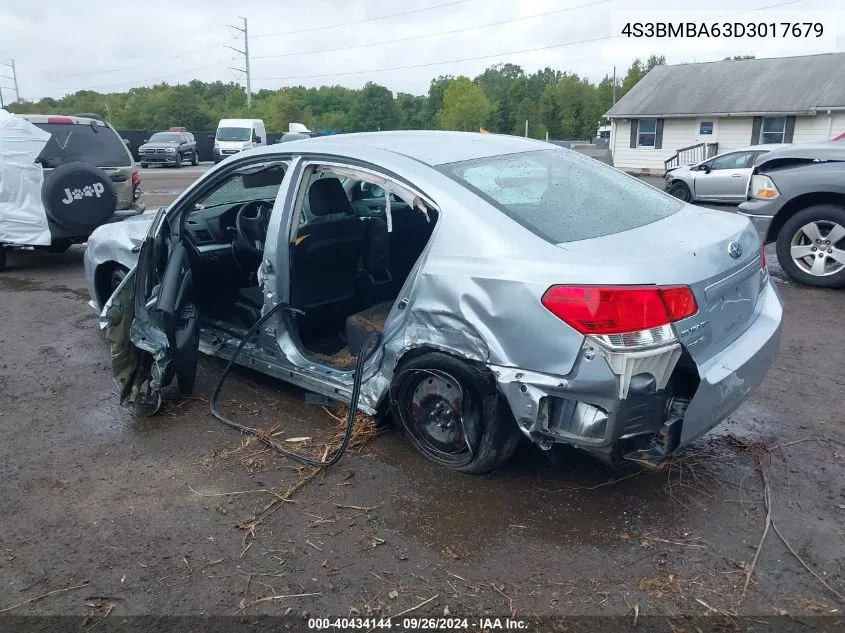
(88, 191)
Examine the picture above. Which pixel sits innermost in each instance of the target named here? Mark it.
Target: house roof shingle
(783, 85)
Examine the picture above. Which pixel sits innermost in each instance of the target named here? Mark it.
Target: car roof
(822, 151)
(430, 147)
(75, 120)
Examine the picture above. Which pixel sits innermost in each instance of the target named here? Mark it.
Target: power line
(235, 39)
(364, 20)
(438, 34)
(440, 63)
(481, 57)
(245, 53)
(150, 63)
(348, 73)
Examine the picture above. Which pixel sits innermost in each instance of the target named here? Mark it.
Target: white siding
(734, 133)
(677, 133)
(810, 129)
(731, 133)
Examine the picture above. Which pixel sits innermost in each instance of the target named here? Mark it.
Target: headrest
(326, 196)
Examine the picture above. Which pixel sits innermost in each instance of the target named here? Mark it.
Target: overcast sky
(113, 45)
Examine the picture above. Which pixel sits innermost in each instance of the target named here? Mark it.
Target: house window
(705, 128)
(647, 132)
(774, 128)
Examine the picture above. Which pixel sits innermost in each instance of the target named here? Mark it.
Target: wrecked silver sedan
(518, 289)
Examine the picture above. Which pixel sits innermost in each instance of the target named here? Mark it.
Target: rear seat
(361, 324)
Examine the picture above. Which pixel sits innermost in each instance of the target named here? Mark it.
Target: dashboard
(214, 228)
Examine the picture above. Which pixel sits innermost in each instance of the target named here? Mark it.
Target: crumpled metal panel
(23, 219)
(128, 360)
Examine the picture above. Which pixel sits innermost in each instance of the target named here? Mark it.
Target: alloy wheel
(817, 249)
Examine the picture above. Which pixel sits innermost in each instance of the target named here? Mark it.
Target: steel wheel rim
(437, 413)
(116, 278)
(817, 248)
(685, 196)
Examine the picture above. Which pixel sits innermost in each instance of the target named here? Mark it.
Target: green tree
(496, 82)
(434, 100)
(465, 107)
(411, 111)
(374, 110)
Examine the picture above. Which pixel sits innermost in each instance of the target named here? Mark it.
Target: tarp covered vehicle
(60, 178)
(518, 288)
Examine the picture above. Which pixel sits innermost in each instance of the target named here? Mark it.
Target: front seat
(327, 252)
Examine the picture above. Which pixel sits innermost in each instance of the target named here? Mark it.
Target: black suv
(169, 148)
(796, 198)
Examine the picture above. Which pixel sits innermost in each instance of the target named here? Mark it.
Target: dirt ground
(176, 515)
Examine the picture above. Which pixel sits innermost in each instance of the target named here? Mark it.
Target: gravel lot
(175, 515)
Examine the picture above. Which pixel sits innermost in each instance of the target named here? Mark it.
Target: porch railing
(692, 154)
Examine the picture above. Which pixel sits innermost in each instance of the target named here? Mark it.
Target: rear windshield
(563, 196)
(233, 133)
(93, 144)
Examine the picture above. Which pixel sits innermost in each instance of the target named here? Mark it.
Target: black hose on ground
(353, 404)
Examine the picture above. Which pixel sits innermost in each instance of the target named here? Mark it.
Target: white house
(685, 113)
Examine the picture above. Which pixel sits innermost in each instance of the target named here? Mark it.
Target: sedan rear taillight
(608, 310)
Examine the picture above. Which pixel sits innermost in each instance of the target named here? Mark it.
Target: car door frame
(297, 368)
(146, 333)
(730, 177)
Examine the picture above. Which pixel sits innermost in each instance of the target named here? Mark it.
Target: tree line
(500, 100)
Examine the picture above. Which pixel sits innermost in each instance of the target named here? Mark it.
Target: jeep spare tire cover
(78, 196)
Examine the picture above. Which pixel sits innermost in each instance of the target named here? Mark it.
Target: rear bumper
(729, 378)
(557, 409)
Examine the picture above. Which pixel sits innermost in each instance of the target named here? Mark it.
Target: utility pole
(614, 84)
(245, 53)
(526, 128)
(14, 78)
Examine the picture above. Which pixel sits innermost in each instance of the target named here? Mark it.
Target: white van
(236, 135)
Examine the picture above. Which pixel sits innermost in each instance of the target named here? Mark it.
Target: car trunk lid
(717, 254)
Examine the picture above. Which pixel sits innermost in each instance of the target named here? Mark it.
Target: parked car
(723, 178)
(169, 148)
(519, 289)
(796, 198)
(89, 179)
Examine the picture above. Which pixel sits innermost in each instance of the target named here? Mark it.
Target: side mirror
(257, 139)
(705, 168)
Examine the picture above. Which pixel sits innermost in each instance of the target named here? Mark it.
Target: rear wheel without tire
(453, 413)
(681, 191)
(118, 273)
(811, 246)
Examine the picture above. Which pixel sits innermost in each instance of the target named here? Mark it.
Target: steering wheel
(251, 224)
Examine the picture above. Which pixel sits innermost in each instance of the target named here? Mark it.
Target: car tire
(195, 159)
(3, 250)
(681, 191)
(422, 400)
(178, 163)
(59, 246)
(799, 234)
(92, 194)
